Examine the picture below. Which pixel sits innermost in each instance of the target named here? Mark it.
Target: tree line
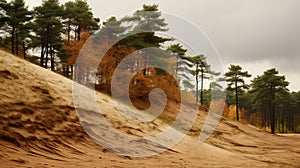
(59, 31)
(265, 102)
(45, 29)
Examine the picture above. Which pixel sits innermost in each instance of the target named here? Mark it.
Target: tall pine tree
(78, 17)
(266, 86)
(236, 83)
(48, 28)
(201, 70)
(15, 19)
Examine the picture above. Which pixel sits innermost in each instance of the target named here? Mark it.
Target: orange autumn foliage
(73, 49)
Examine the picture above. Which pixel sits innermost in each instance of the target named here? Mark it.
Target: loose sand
(39, 127)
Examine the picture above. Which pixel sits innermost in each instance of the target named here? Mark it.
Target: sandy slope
(39, 128)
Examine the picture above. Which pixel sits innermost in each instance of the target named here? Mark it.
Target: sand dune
(39, 127)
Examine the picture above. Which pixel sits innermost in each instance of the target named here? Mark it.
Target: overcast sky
(256, 34)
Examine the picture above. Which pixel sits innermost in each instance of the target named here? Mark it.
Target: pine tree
(3, 19)
(148, 19)
(48, 28)
(111, 31)
(201, 69)
(142, 34)
(265, 87)
(178, 51)
(15, 19)
(182, 70)
(71, 52)
(78, 17)
(236, 83)
(145, 23)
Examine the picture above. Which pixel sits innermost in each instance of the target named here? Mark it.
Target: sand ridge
(39, 127)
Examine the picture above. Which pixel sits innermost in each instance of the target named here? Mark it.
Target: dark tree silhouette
(236, 83)
(268, 85)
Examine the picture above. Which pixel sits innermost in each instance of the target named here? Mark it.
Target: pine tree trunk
(47, 48)
(281, 118)
(290, 120)
(284, 115)
(236, 101)
(42, 56)
(17, 43)
(272, 111)
(47, 51)
(24, 49)
(201, 89)
(287, 119)
(42, 49)
(268, 112)
(69, 33)
(177, 66)
(264, 118)
(68, 71)
(78, 33)
(197, 83)
(13, 40)
(51, 52)
(72, 72)
(52, 57)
